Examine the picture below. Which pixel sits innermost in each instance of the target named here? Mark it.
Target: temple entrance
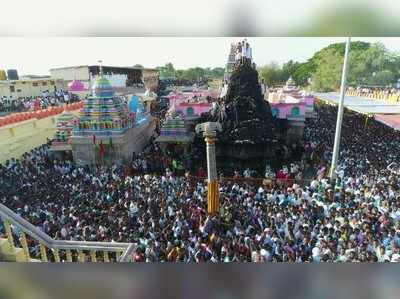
(104, 154)
(295, 111)
(190, 111)
(175, 150)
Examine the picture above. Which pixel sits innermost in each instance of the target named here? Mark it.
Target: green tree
(303, 72)
(384, 77)
(167, 71)
(369, 64)
(217, 73)
(271, 73)
(194, 73)
(288, 69)
(327, 74)
(180, 74)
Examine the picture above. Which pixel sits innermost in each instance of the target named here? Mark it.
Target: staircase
(9, 253)
(47, 249)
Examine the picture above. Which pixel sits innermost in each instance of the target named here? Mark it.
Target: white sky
(36, 55)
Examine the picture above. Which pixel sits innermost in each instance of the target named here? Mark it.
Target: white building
(30, 87)
(119, 77)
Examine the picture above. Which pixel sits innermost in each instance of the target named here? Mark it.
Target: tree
(384, 77)
(169, 68)
(369, 64)
(180, 74)
(327, 74)
(288, 69)
(195, 73)
(271, 73)
(191, 74)
(167, 71)
(217, 73)
(274, 74)
(303, 72)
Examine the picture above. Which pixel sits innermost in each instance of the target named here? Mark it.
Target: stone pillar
(211, 161)
(212, 195)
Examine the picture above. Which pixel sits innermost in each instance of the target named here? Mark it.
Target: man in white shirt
(248, 52)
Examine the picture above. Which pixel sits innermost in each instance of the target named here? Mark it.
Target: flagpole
(335, 155)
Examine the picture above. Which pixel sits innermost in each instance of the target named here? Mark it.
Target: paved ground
(362, 105)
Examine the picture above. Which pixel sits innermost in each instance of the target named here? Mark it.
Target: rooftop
(30, 80)
(104, 67)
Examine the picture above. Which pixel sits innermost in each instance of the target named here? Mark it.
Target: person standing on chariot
(248, 52)
(239, 50)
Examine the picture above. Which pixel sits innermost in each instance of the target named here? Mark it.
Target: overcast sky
(38, 55)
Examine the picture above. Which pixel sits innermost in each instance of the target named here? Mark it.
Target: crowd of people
(156, 161)
(45, 100)
(376, 92)
(355, 218)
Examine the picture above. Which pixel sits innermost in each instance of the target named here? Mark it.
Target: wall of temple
(16, 139)
(123, 145)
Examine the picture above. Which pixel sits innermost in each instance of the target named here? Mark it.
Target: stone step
(4, 245)
(17, 255)
(35, 261)
(9, 254)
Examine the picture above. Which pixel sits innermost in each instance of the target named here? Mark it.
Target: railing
(258, 181)
(375, 95)
(78, 249)
(38, 114)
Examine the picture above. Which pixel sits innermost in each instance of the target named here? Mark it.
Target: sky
(37, 55)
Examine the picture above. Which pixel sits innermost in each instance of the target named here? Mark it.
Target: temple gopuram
(106, 131)
(176, 134)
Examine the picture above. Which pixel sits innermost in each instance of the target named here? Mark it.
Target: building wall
(285, 110)
(310, 103)
(133, 140)
(151, 78)
(133, 75)
(197, 109)
(182, 106)
(116, 80)
(16, 139)
(118, 76)
(29, 88)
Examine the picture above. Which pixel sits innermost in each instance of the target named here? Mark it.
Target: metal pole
(100, 68)
(336, 145)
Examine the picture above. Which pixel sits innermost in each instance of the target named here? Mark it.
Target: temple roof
(290, 82)
(76, 85)
(102, 88)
